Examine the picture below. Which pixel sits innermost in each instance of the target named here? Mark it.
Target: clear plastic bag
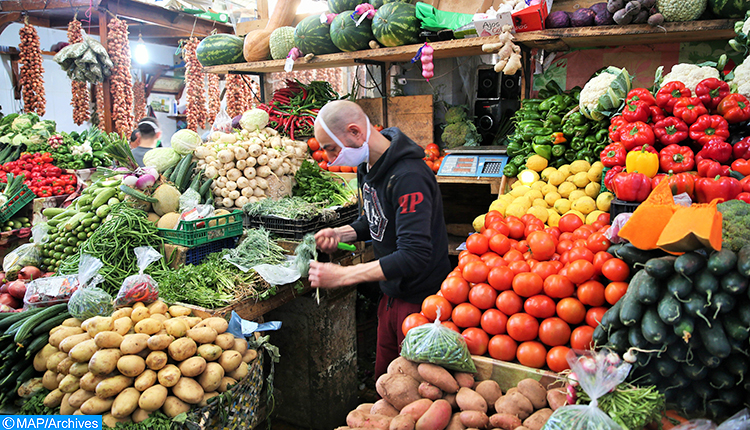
(598, 373)
(435, 343)
(88, 300)
(699, 424)
(141, 287)
(189, 199)
(28, 254)
(222, 122)
(738, 421)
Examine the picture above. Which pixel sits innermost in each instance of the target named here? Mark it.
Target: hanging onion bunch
(79, 90)
(214, 95)
(139, 99)
(99, 86)
(237, 96)
(194, 80)
(121, 84)
(31, 81)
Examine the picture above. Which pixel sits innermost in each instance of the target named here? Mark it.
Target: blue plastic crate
(197, 254)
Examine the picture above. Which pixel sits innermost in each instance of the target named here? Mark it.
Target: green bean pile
(113, 243)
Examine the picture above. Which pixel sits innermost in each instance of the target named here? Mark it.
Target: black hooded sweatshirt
(403, 215)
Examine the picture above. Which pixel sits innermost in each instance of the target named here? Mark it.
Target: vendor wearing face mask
(403, 215)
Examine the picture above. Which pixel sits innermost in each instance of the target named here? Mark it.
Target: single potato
(210, 379)
(169, 375)
(182, 348)
(145, 380)
(131, 365)
(104, 361)
(210, 352)
(156, 360)
(153, 398)
(193, 366)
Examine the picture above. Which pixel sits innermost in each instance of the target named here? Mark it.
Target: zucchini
(631, 309)
(611, 318)
(734, 283)
(648, 291)
(64, 214)
(632, 255)
(738, 365)
(680, 287)
(679, 352)
(743, 260)
(636, 339)
(110, 183)
(137, 194)
(52, 212)
(618, 341)
(669, 309)
(706, 284)
(680, 381)
(102, 197)
(103, 211)
(666, 366)
(84, 209)
(715, 339)
(694, 371)
(734, 328)
(696, 306)
(652, 327)
(87, 199)
(721, 262)
(688, 400)
(684, 328)
(743, 313)
(661, 268)
(689, 264)
(721, 379)
(25, 330)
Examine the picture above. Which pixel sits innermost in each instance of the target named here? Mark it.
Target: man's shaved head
(338, 114)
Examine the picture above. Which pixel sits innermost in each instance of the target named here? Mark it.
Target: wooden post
(108, 126)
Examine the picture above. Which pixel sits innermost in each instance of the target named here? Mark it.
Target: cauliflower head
(746, 26)
(690, 75)
(741, 80)
(595, 88)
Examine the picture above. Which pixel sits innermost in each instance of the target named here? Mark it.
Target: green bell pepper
(590, 141)
(523, 125)
(578, 143)
(582, 130)
(543, 150)
(576, 118)
(96, 146)
(557, 101)
(554, 87)
(585, 154)
(545, 93)
(558, 150)
(510, 170)
(529, 115)
(518, 160)
(568, 129)
(570, 156)
(553, 119)
(569, 101)
(559, 162)
(602, 135)
(514, 148)
(526, 103)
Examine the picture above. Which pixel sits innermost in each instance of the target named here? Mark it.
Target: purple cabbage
(603, 16)
(557, 19)
(583, 17)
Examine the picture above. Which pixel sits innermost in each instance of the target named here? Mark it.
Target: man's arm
(328, 275)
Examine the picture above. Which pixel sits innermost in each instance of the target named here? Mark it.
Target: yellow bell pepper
(643, 161)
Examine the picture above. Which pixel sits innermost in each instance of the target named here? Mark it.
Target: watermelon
(396, 24)
(220, 49)
(376, 3)
(338, 6)
(281, 42)
(397, 1)
(729, 8)
(312, 37)
(347, 36)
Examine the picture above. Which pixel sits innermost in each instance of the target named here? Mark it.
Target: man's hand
(327, 240)
(326, 275)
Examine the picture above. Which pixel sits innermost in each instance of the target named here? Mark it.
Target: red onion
(130, 180)
(8, 300)
(17, 289)
(4, 288)
(29, 273)
(145, 182)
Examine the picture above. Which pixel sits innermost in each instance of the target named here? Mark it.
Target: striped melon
(398, 1)
(376, 3)
(338, 6)
(312, 37)
(396, 24)
(281, 42)
(729, 8)
(220, 49)
(347, 36)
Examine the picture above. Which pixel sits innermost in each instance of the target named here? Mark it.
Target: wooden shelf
(177, 117)
(496, 184)
(558, 39)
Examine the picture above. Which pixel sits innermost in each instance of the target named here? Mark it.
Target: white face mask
(352, 157)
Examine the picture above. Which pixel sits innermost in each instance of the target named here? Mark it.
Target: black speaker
(493, 86)
(489, 114)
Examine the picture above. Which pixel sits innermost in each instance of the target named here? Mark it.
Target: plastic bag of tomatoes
(434, 343)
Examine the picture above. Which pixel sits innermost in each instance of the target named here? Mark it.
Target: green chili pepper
(582, 130)
(554, 118)
(522, 125)
(568, 129)
(557, 101)
(545, 93)
(510, 170)
(525, 103)
(554, 87)
(558, 150)
(569, 101)
(96, 146)
(544, 131)
(531, 115)
(518, 160)
(590, 141)
(559, 162)
(543, 150)
(584, 154)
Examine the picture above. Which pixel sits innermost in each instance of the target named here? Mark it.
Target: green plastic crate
(198, 232)
(16, 203)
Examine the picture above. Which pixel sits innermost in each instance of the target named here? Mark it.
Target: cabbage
(185, 141)
(24, 122)
(19, 140)
(45, 125)
(161, 158)
(254, 120)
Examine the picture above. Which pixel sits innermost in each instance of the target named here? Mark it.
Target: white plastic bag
(598, 373)
(738, 421)
(141, 287)
(222, 122)
(88, 300)
(28, 254)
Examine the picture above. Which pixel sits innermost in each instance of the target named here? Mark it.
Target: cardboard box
(532, 18)
(488, 25)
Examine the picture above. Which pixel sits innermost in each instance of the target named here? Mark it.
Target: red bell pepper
(711, 91)
(611, 173)
(668, 95)
(675, 158)
(631, 187)
(657, 114)
(745, 182)
(745, 197)
(70, 189)
(636, 110)
(709, 168)
(742, 166)
(613, 155)
(715, 150)
(720, 187)
(734, 108)
(641, 94)
(689, 109)
(656, 179)
(741, 149)
(636, 134)
(58, 191)
(44, 192)
(709, 127)
(615, 127)
(671, 130)
(646, 148)
(678, 183)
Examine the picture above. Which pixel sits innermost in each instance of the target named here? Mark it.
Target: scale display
(473, 165)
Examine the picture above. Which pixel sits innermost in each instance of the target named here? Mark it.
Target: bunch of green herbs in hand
(316, 185)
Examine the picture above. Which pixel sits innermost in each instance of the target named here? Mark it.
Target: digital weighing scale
(478, 162)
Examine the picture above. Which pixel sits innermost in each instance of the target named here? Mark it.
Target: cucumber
(84, 208)
(705, 283)
(688, 400)
(181, 170)
(186, 179)
(661, 268)
(110, 183)
(743, 260)
(721, 379)
(679, 352)
(205, 187)
(743, 313)
(669, 309)
(738, 365)
(632, 255)
(721, 262)
(703, 389)
(652, 327)
(717, 409)
(680, 287)
(137, 194)
(168, 172)
(102, 197)
(103, 211)
(689, 264)
(732, 397)
(642, 359)
(611, 318)
(648, 291)
(715, 339)
(696, 306)
(734, 328)
(17, 316)
(74, 220)
(734, 283)
(87, 199)
(631, 309)
(36, 344)
(694, 371)
(600, 335)
(196, 182)
(685, 328)
(666, 366)
(680, 381)
(618, 341)
(722, 303)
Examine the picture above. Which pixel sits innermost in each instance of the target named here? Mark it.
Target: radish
(17, 289)
(145, 182)
(130, 180)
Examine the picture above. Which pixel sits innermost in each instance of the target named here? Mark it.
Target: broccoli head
(735, 229)
(455, 134)
(455, 114)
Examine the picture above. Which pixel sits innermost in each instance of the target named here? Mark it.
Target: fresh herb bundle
(316, 185)
(295, 208)
(256, 248)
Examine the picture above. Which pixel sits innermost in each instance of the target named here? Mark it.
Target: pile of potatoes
(429, 397)
(139, 360)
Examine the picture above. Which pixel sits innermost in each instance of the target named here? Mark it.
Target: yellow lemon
(553, 218)
(551, 198)
(478, 223)
(536, 163)
(585, 205)
(538, 212)
(581, 179)
(539, 203)
(515, 209)
(595, 172)
(523, 201)
(528, 177)
(507, 198)
(565, 170)
(578, 214)
(499, 205)
(576, 194)
(597, 165)
(591, 218)
(538, 185)
(515, 185)
(579, 166)
(566, 188)
(534, 194)
(549, 188)
(519, 190)
(604, 200)
(557, 178)
(592, 189)
(546, 172)
(562, 206)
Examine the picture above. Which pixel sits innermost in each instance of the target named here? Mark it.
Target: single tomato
(532, 354)
(476, 339)
(411, 321)
(502, 347)
(466, 315)
(522, 327)
(493, 322)
(434, 303)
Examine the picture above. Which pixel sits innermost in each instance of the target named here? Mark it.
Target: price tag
(361, 18)
(289, 64)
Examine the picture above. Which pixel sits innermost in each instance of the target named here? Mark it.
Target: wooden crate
(413, 115)
(508, 375)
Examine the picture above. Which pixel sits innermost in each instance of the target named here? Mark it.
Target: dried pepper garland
(237, 96)
(100, 106)
(194, 80)
(214, 95)
(139, 100)
(79, 90)
(121, 84)
(31, 81)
